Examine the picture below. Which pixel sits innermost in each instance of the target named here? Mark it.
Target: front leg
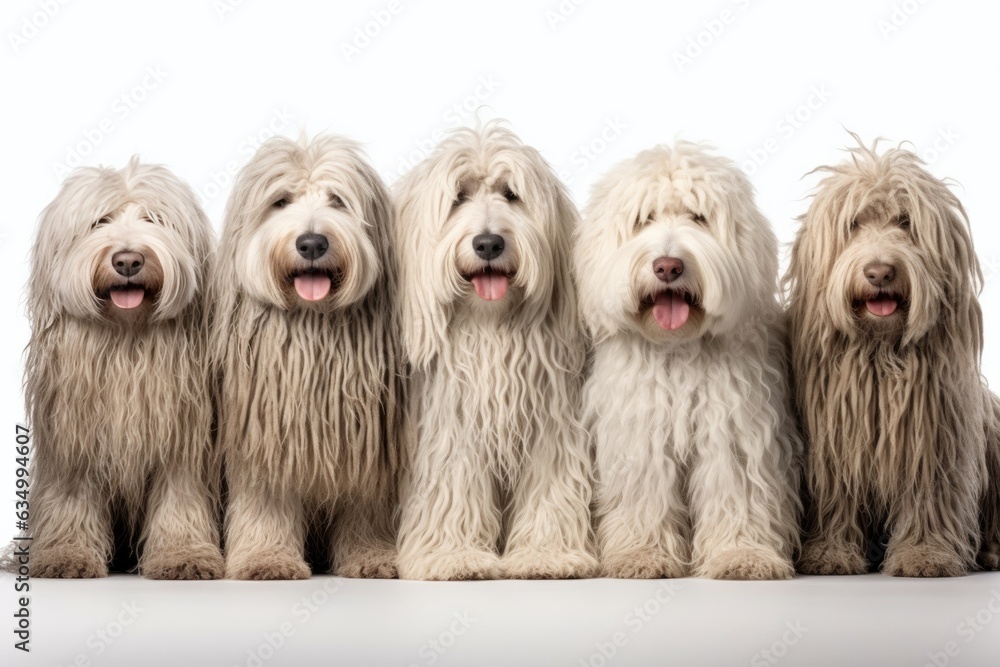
(743, 497)
(836, 541)
(265, 532)
(450, 514)
(642, 520)
(935, 527)
(71, 525)
(550, 536)
(364, 541)
(180, 539)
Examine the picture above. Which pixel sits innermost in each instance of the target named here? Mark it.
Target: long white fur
(697, 456)
(120, 407)
(496, 460)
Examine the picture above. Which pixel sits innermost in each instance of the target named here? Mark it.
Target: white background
(588, 85)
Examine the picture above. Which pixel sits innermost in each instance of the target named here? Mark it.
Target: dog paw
(202, 561)
(66, 562)
(747, 563)
(826, 558)
(642, 564)
(922, 561)
(371, 563)
(989, 557)
(268, 566)
(456, 565)
(535, 564)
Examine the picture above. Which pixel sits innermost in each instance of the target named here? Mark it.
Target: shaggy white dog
(697, 456)
(496, 459)
(306, 348)
(115, 382)
(887, 335)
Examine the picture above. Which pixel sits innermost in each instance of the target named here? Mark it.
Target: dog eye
(460, 198)
(281, 203)
(336, 201)
(510, 195)
(904, 222)
(699, 218)
(103, 221)
(854, 224)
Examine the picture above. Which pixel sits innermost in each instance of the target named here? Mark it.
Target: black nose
(880, 275)
(312, 246)
(127, 263)
(488, 246)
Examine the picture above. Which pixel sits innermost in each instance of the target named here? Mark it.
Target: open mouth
(882, 304)
(313, 284)
(126, 297)
(671, 309)
(490, 284)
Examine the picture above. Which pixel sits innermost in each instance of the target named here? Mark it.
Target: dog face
(884, 249)
(124, 246)
(302, 224)
(483, 228)
(672, 247)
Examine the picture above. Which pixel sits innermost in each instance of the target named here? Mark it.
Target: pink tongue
(671, 311)
(881, 307)
(128, 298)
(490, 286)
(312, 286)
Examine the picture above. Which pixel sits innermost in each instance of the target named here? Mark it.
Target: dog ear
(804, 281)
(564, 307)
(378, 214)
(418, 208)
(176, 202)
(941, 228)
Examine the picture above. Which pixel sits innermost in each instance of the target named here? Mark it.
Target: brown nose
(668, 269)
(127, 263)
(880, 275)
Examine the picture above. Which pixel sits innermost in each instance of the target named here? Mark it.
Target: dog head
(483, 230)
(303, 225)
(124, 246)
(672, 247)
(884, 250)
